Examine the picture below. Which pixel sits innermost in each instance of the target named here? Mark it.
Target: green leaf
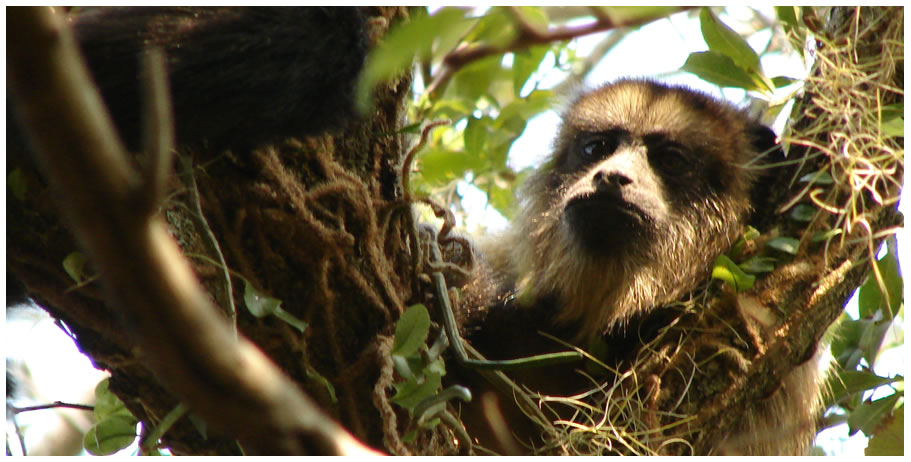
(751, 233)
(290, 319)
(110, 435)
(432, 422)
(15, 181)
(523, 109)
(821, 177)
(524, 64)
(726, 270)
(411, 393)
(803, 212)
(476, 134)
(852, 381)
(476, 79)
(316, 376)
(782, 81)
(403, 366)
(115, 426)
(894, 127)
(626, 14)
(74, 265)
(892, 111)
(411, 436)
(871, 298)
(495, 28)
(413, 129)
(846, 340)
(722, 39)
(439, 166)
(868, 297)
(107, 404)
(820, 236)
(784, 244)
(787, 15)
(719, 69)
(871, 342)
(871, 414)
(535, 16)
(889, 437)
(451, 108)
(402, 44)
(438, 366)
(411, 330)
(892, 277)
(502, 199)
(757, 264)
(259, 304)
(789, 18)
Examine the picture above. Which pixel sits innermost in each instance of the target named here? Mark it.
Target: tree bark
(174, 345)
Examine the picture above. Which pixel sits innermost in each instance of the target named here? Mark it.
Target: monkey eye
(600, 148)
(673, 159)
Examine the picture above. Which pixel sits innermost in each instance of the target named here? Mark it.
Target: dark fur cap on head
(704, 213)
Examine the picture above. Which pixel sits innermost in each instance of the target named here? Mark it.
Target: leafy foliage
(856, 390)
(115, 426)
(491, 100)
(728, 271)
(421, 370)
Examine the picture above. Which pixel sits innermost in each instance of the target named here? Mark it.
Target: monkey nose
(610, 180)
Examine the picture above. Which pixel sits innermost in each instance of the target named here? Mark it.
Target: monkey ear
(765, 144)
(764, 194)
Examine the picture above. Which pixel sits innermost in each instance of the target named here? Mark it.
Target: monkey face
(632, 160)
(645, 188)
(621, 189)
(625, 188)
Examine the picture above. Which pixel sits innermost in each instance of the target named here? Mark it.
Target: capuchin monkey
(647, 184)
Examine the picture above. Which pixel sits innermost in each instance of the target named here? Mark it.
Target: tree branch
(186, 342)
(54, 405)
(527, 36)
(158, 126)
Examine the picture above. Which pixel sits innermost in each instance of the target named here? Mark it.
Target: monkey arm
(452, 331)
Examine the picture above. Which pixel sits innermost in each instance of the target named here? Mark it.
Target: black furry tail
(239, 76)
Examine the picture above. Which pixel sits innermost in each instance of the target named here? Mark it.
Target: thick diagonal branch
(181, 334)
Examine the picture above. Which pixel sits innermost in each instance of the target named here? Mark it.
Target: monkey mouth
(606, 207)
(605, 225)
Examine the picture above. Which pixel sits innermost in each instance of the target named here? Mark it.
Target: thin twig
(409, 158)
(589, 62)
(528, 36)
(188, 176)
(54, 405)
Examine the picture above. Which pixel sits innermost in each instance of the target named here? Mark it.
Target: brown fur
(785, 422)
(545, 258)
(540, 275)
